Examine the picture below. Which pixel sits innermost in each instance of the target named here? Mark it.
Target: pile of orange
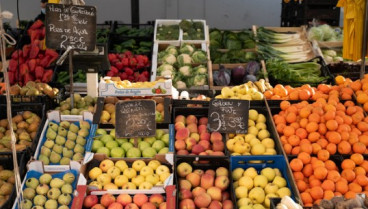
(318, 177)
(322, 125)
(360, 87)
(306, 92)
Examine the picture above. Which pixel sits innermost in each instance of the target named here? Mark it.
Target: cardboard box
(36, 170)
(110, 89)
(167, 160)
(54, 116)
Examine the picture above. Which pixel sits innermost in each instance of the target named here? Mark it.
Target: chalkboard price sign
(228, 116)
(70, 25)
(135, 118)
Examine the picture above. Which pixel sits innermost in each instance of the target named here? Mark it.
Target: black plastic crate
(204, 164)
(38, 109)
(6, 161)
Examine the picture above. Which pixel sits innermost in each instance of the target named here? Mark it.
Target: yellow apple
(113, 172)
(129, 185)
(145, 185)
(121, 164)
(271, 188)
(153, 179)
(230, 144)
(254, 141)
(145, 171)
(138, 180)
(246, 181)
(267, 201)
(237, 173)
(110, 186)
(138, 165)
(283, 192)
(262, 134)
(257, 195)
(241, 192)
(104, 179)
(251, 172)
(239, 147)
(162, 169)
(269, 173)
(96, 184)
(268, 143)
(251, 123)
(260, 181)
(261, 126)
(121, 180)
(94, 173)
(278, 172)
(106, 164)
(244, 201)
(130, 173)
(261, 118)
(154, 164)
(279, 181)
(253, 114)
(258, 149)
(249, 137)
(164, 176)
(253, 130)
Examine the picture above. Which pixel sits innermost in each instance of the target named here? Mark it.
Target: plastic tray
(277, 161)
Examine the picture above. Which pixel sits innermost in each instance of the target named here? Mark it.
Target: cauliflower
(180, 85)
(169, 59)
(185, 70)
(165, 67)
(200, 80)
(330, 52)
(167, 73)
(186, 49)
(172, 50)
(199, 56)
(200, 70)
(184, 59)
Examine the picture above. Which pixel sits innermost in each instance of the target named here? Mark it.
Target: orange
(322, 129)
(331, 148)
(339, 79)
(330, 115)
(304, 94)
(328, 195)
(303, 122)
(333, 137)
(268, 94)
(314, 136)
(355, 187)
(359, 148)
(333, 176)
(330, 165)
(344, 147)
(341, 186)
(363, 139)
(289, 130)
(284, 105)
(296, 164)
(350, 195)
(357, 158)
(362, 180)
(317, 163)
(287, 148)
(348, 164)
(332, 125)
(294, 140)
(294, 95)
(323, 143)
(348, 174)
(295, 125)
(295, 150)
(290, 117)
(349, 104)
(298, 176)
(320, 172)
(283, 139)
(365, 106)
(316, 193)
(280, 127)
(316, 148)
(362, 98)
(304, 141)
(306, 198)
(323, 155)
(307, 170)
(314, 117)
(304, 157)
(365, 165)
(356, 85)
(359, 170)
(301, 133)
(306, 148)
(302, 186)
(351, 110)
(312, 127)
(328, 185)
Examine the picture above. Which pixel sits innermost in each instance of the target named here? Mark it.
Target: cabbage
(328, 32)
(169, 59)
(328, 59)
(186, 49)
(221, 77)
(200, 80)
(315, 33)
(185, 71)
(172, 50)
(184, 59)
(199, 56)
(200, 70)
(330, 52)
(338, 59)
(237, 75)
(165, 67)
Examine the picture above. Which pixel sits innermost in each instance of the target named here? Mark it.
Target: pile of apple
(120, 175)
(256, 142)
(138, 201)
(253, 190)
(48, 192)
(106, 143)
(192, 137)
(203, 189)
(65, 141)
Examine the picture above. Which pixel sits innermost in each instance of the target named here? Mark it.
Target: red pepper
(125, 61)
(140, 65)
(119, 65)
(34, 51)
(133, 62)
(142, 78)
(47, 76)
(36, 25)
(23, 70)
(123, 76)
(13, 64)
(39, 71)
(16, 54)
(53, 56)
(40, 55)
(27, 77)
(26, 49)
(11, 77)
(128, 54)
(136, 75)
(45, 61)
(128, 71)
(111, 57)
(43, 33)
(114, 70)
(32, 65)
(35, 35)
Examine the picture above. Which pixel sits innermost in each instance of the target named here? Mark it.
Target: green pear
(69, 178)
(42, 189)
(64, 199)
(26, 204)
(65, 124)
(45, 178)
(45, 160)
(32, 183)
(78, 149)
(53, 126)
(83, 132)
(67, 153)
(49, 143)
(57, 183)
(73, 128)
(51, 134)
(29, 193)
(53, 193)
(69, 144)
(62, 131)
(84, 124)
(51, 204)
(65, 161)
(67, 189)
(60, 140)
(100, 132)
(45, 151)
(77, 157)
(71, 136)
(74, 111)
(112, 133)
(39, 200)
(96, 144)
(81, 140)
(58, 149)
(55, 157)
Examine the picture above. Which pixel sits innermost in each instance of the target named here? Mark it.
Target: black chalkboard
(228, 116)
(70, 25)
(135, 118)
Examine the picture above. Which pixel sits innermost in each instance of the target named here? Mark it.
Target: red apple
(90, 201)
(185, 194)
(215, 205)
(215, 193)
(217, 153)
(211, 172)
(207, 181)
(140, 199)
(197, 149)
(222, 182)
(218, 146)
(203, 121)
(227, 204)
(191, 119)
(216, 136)
(194, 179)
(185, 184)
(190, 142)
(98, 206)
(202, 129)
(182, 134)
(225, 195)
(107, 199)
(205, 144)
(124, 199)
(156, 199)
(203, 200)
(182, 152)
(180, 118)
(148, 205)
(198, 191)
(179, 125)
(193, 128)
(131, 206)
(115, 205)
(187, 204)
(180, 145)
(198, 171)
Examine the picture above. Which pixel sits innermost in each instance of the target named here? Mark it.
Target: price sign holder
(135, 118)
(228, 116)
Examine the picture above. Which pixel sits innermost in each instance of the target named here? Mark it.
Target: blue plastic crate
(275, 161)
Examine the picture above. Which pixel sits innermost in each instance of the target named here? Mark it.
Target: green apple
(117, 152)
(96, 144)
(133, 152)
(112, 133)
(143, 145)
(158, 145)
(111, 144)
(101, 132)
(121, 141)
(106, 138)
(104, 150)
(150, 140)
(126, 146)
(159, 133)
(149, 152)
(132, 140)
(164, 150)
(166, 138)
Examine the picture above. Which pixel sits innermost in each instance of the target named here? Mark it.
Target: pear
(81, 140)
(74, 111)
(58, 149)
(23, 90)
(60, 140)
(53, 193)
(81, 104)
(49, 143)
(51, 134)
(32, 183)
(62, 131)
(39, 200)
(42, 189)
(67, 153)
(84, 124)
(26, 204)
(68, 178)
(22, 125)
(53, 126)
(24, 136)
(57, 183)
(65, 106)
(5, 174)
(79, 149)
(51, 204)
(45, 160)
(64, 199)
(32, 127)
(55, 157)
(69, 144)
(65, 112)
(29, 193)
(77, 157)
(83, 132)
(45, 178)
(71, 136)
(77, 97)
(65, 124)
(67, 189)
(65, 161)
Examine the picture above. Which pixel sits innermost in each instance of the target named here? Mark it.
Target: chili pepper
(32, 65)
(128, 71)
(125, 61)
(47, 76)
(119, 65)
(16, 54)
(23, 70)
(44, 62)
(26, 49)
(39, 71)
(132, 62)
(34, 51)
(13, 64)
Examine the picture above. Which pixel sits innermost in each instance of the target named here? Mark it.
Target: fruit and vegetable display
(193, 137)
(255, 187)
(86, 103)
(360, 88)
(33, 61)
(322, 127)
(78, 77)
(224, 39)
(108, 112)
(48, 191)
(138, 201)
(63, 142)
(126, 84)
(287, 203)
(192, 30)
(200, 188)
(7, 180)
(256, 142)
(32, 88)
(237, 75)
(247, 91)
(187, 65)
(128, 175)
(128, 66)
(25, 126)
(325, 33)
(106, 143)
